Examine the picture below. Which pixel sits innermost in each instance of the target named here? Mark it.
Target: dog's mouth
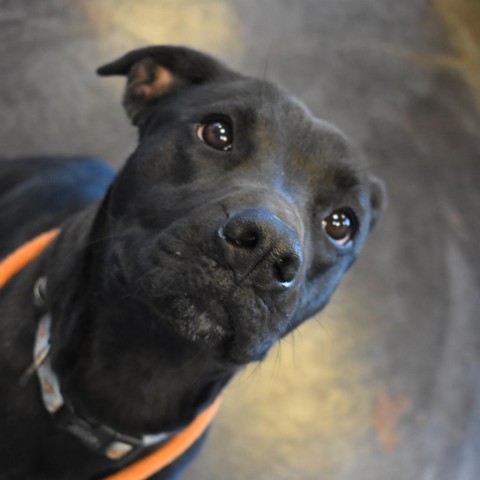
(234, 323)
(200, 300)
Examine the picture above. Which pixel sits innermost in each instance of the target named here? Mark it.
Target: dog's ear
(378, 199)
(155, 72)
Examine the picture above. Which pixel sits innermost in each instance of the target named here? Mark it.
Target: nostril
(285, 269)
(240, 236)
(247, 240)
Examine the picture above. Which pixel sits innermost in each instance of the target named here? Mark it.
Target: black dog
(232, 222)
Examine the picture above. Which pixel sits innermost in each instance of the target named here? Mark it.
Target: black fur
(153, 310)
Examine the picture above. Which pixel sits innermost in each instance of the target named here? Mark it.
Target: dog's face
(239, 212)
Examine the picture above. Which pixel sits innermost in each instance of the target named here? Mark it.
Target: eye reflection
(217, 134)
(340, 226)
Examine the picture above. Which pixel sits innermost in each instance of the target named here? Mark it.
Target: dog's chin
(211, 328)
(217, 331)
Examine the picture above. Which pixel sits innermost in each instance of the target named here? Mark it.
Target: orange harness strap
(23, 255)
(169, 451)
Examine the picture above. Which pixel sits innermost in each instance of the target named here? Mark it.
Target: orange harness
(175, 446)
(23, 255)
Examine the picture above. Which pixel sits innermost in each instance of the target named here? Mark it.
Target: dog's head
(239, 211)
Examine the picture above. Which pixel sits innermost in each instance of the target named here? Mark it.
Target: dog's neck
(117, 362)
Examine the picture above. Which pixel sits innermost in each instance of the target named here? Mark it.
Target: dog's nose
(262, 247)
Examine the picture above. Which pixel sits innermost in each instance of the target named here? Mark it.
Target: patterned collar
(97, 436)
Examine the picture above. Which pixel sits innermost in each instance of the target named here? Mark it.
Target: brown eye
(216, 134)
(340, 226)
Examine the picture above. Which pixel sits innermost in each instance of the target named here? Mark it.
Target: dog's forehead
(291, 132)
(284, 132)
(270, 108)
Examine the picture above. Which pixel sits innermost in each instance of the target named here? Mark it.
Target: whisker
(246, 380)
(265, 70)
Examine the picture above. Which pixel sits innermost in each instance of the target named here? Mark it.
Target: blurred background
(385, 383)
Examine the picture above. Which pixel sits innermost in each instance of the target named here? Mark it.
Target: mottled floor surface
(386, 383)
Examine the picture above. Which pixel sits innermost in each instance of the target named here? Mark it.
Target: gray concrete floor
(385, 384)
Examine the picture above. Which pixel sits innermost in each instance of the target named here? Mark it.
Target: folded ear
(378, 199)
(154, 72)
